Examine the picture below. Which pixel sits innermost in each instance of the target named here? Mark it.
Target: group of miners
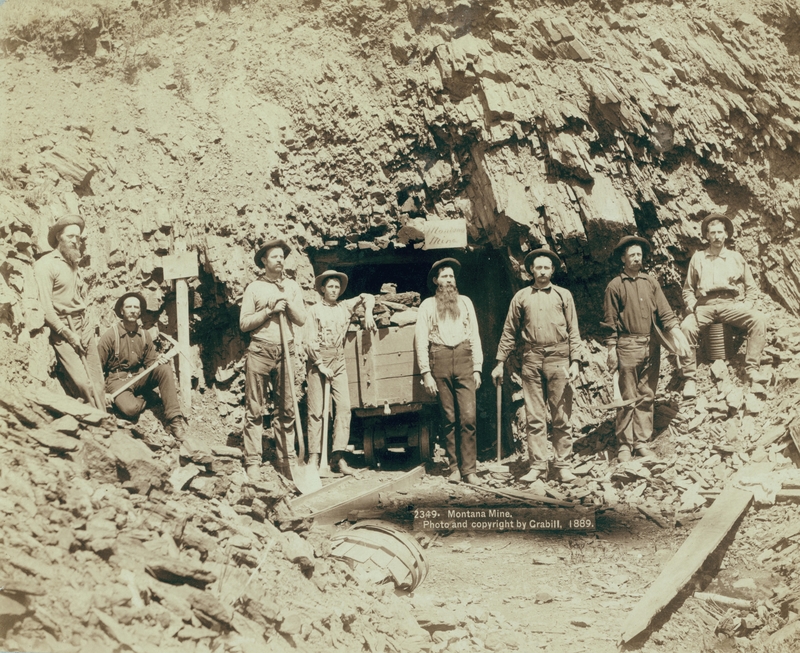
(541, 319)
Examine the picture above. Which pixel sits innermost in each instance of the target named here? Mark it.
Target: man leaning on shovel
(543, 316)
(326, 331)
(61, 293)
(634, 307)
(126, 351)
(264, 303)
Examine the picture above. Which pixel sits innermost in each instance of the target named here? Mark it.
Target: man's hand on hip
(497, 374)
(430, 384)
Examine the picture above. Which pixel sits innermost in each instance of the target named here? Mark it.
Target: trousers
(340, 393)
(546, 389)
(265, 363)
(726, 311)
(451, 368)
(80, 383)
(639, 364)
(130, 403)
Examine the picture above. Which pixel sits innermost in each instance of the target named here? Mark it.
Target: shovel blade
(306, 478)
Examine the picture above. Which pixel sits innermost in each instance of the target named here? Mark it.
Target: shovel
(618, 402)
(305, 477)
(498, 467)
(324, 467)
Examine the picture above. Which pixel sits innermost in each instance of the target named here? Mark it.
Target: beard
(72, 253)
(447, 302)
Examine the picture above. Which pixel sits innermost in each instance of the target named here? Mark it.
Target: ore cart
(386, 392)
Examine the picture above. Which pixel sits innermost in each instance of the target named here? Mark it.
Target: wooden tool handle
(172, 352)
(287, 360)
(326, 407)
(499, 421)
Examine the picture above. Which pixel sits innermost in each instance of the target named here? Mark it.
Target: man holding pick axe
(326, 330)
(636, 311)
(61, 293)
(265, 305)
(543, 316)
(127, 353)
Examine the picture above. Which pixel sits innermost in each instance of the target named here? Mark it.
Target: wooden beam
(184, 361)
(702, 542)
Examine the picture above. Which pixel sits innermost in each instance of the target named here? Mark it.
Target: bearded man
(61, 294)
(543, 317)
(450, 359)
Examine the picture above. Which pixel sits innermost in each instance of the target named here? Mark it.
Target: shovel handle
(170, 354)
(287, 361)
(326, 407)
(99, 400)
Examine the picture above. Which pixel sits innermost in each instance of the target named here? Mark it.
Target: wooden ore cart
(386, 392)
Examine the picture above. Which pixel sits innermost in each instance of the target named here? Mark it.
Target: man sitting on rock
(720, 288)
(327, 326)
(126, 350)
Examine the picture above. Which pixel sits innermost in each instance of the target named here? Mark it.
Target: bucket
(718, 341)
(383, 552)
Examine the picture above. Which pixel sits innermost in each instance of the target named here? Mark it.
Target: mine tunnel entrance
(484, 278)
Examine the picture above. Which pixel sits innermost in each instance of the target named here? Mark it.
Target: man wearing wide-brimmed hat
(263, 303)
(326, 329)
(450, 359)
(543, 317)
(61, 293)
(126, 349)
(720, 288)
(634, 303)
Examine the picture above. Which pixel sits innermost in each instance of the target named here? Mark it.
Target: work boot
(689, 389)
(253, 472)
(338, 463)
(177, 426)
(645, 452)
(565, 475)
(624, 454)
(474, 479)
(313, 460)
(455, 476)
(532, 476)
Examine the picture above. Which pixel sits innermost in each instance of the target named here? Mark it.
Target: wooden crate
(382, 368)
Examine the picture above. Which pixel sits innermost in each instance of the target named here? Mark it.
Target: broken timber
(703, 540)
(368, 499)
(527, 497)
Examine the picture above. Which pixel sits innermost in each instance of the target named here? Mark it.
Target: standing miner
(263, 302)
(450, 360)
(326, 331)
(127, 349)
(61, 293)
(634, 303)
(720, 287)
(543, 316)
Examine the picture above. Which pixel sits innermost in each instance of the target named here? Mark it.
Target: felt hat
(58, 227)
(322, 278)
(121, 301)
(536, 253)
(717, 216)
(442, 263)
(626, 241)
(276, 242)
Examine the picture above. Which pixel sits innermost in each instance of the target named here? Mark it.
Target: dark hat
(58, 227)
(557, 262)
(121, 301)
(277, 242)
(443, 263)
(322, 278)
(627, 241)
(717, 216)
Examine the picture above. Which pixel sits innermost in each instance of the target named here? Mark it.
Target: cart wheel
(369, 446)
(425, 429)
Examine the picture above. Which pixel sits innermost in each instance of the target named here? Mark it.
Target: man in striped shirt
(450, 359)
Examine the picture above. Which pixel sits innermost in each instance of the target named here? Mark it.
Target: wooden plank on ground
(703, 540)
(368, 499)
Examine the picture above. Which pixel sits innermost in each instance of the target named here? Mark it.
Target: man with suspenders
(543, 316)
(450, 360)
(126, 349)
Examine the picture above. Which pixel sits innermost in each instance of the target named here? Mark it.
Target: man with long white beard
(61, 293)
(450, 359)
